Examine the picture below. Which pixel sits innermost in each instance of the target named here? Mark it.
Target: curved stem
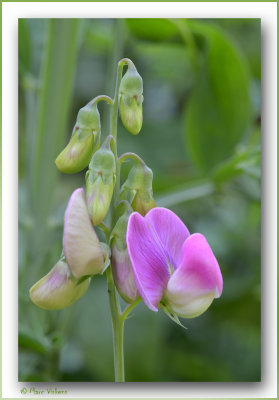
(100, 98)
(129, 155)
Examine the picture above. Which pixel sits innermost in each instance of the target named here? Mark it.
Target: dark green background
(200, 136)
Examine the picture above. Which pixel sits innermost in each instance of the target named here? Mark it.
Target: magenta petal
(170, 231)
(149, 264)
(196, 281)
(199, 262)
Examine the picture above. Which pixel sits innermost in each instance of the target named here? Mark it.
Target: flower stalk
(116, 315)
(148, 252)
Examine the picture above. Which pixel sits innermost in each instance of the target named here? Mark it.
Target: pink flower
(170, 265)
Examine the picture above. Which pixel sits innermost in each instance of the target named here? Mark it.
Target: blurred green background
(200, 136)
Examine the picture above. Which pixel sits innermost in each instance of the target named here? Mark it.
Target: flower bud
(131, 98)
(58, 289)
(86, 135)
(121, 264)
(138, 188)
(81, 245)
(100, 180)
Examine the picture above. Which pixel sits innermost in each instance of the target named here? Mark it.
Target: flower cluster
(152, 254)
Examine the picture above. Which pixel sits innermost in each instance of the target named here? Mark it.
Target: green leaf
(218, 112)
(58, 70)
(191, 191)
(246, 161)
(30, 341)
(24, 49)
(156, 29)
(169, 62)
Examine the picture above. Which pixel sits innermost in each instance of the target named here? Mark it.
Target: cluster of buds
(83, 254)
(152, 253)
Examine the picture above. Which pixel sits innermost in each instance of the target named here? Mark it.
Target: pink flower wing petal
(170, 231)
(148, 263)
(80, 242)
(197, 280)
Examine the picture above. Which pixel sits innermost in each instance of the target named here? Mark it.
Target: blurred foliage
(200, 136)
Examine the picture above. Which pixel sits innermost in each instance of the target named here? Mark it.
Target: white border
(268, 14)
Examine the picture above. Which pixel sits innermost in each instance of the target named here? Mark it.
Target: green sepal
(172, 315)
(89, 117)
(107, 254)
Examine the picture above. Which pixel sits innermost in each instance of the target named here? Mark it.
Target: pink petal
(81, 245)
(148, 262)
(170, 231)
(197, 280)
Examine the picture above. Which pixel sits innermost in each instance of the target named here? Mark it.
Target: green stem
(113, 128)
(133, 156)
(117, 329)
(117, 317)
(115, 310)
(114, 112)
(100, 98)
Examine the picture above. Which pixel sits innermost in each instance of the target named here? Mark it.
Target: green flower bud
(100, 180)
(58, 289)
(137, 189)
(131, 98)
(121, 264)
(86, 136)
(77, 154)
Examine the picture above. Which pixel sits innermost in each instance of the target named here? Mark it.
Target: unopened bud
(85, 138)
(131, 98)
(100, 180)
(138, 188)
(121, 264)
(58, 289)
(81, 245)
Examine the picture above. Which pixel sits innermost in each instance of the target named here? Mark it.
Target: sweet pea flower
(171, 266)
